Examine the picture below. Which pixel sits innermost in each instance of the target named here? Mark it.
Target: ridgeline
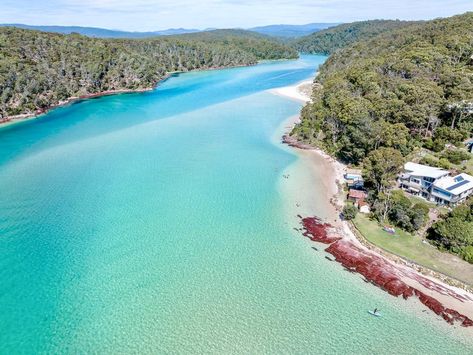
(329, 40)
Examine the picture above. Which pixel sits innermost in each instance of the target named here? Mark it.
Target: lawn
(411, 247)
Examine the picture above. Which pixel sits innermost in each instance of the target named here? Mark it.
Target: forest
(382, 100)
(402, 89)
(40, 69)
(330, 40)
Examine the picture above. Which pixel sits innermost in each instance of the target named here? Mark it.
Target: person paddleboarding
(375, 312)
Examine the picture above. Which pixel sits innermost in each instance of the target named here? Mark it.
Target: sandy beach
(331, 172)
(300, 92)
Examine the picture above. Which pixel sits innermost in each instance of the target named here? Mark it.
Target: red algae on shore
(379, 271)
(318, 231)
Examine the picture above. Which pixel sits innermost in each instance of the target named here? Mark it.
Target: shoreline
(10, 120)
(453, 304)
(299, 92)
(24, 117)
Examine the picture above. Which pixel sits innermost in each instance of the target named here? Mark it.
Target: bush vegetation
(455, 232)
(334, 38)
(40, 69)
(399, 210)
(388, 92)
(395, 90)
(349, 212)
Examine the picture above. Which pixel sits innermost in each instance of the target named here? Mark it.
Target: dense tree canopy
(39, 69)
(388, 93)
(380, 167)
(455, 233)
(405, 87)
(329, 40)
(399, 210)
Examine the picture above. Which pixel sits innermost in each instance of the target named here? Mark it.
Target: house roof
(353, 171)
(362, 203)
(455, 184)
(356, 194)
(424, 170)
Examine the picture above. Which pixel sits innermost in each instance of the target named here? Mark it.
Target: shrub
(467, 253)
(453, 136)
(349, 212)
(429, 161)
(444, 164)
(456, 156)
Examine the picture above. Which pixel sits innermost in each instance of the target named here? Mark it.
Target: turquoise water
(155, 223)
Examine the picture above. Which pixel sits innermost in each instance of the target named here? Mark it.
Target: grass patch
(411, 247)
(417, 199)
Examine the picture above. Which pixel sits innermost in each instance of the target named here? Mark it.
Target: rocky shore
(381, 272)
(448, 298)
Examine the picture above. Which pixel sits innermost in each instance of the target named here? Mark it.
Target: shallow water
(159, 222)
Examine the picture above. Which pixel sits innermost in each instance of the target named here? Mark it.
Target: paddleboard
(377, 314)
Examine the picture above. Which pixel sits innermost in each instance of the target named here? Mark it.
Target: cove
(159, 223)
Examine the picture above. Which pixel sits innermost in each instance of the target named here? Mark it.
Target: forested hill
(405, 88)
(291, 31)
(40, 69)
(405, 95)
(329, 40)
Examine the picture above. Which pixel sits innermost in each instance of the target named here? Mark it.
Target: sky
(148, 15)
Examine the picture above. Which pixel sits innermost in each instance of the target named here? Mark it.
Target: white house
(452, 190)
(435, 184)
(364, 207)
(418, 179)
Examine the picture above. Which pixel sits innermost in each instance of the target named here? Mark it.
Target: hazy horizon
(153, 15)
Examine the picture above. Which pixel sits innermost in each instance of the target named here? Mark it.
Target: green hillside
(329, 40)
(406, 94)
(40, 69)
(404, 88)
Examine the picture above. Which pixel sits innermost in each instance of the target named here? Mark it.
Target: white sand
(299, 92)
(332, 172)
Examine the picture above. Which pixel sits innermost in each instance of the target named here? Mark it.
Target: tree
(39, 69)
(404, 87)
(391, 135)
(455, 232)
(349, 212)
(456, 156)
(380, 168)
(459, 111)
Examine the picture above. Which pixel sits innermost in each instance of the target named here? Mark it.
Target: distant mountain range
(272, 30)
(101, 32)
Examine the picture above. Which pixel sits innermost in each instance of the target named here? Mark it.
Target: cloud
(158, 14)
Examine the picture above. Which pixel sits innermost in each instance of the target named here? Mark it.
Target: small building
(363, 206)
(417, 179)
(452, 190)
(356, 195)
(353, 178)
(353, 174)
